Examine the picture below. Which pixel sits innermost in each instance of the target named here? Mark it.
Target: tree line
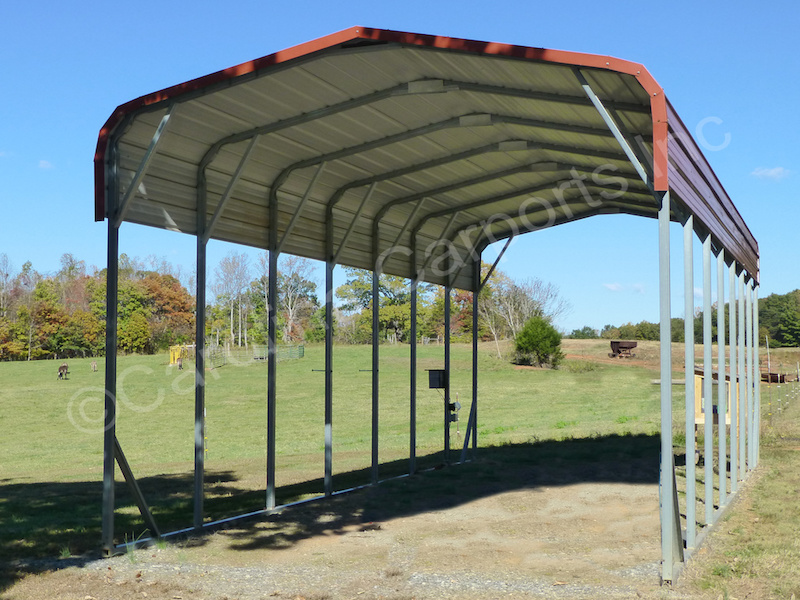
(62, 315)
(778, 320)
(504, 306)
(238, 316)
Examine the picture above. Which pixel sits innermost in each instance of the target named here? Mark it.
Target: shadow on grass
(46, 520)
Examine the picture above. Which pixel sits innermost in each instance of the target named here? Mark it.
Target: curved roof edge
(678, 165)
(352, 36)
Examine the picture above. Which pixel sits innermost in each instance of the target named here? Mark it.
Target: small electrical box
(437, 378)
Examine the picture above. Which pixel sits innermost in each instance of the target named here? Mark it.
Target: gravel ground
(585, 540)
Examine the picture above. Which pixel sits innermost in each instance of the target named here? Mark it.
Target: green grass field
(52, 443)
(51, 447)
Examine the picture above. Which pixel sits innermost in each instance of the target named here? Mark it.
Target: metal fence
(284, 352)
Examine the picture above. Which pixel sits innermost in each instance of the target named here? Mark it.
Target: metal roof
(372, 145)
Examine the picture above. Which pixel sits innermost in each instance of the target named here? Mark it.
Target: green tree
(170, 308)
(356, 292)
(584, 333)
(677, 329)
(789, 328)
(315, 333)
(777, 313)
(627, 332)
(646, 330)
(609, 332)
(538, 343)
(134, 333)
(394, 315)
(83, 334)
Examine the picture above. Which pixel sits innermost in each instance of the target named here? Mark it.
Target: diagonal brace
(133, 485)
(140, 172)
(612, 125)
(229, 190)
(300, 207)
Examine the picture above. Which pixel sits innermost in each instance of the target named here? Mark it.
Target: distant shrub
(538, 343)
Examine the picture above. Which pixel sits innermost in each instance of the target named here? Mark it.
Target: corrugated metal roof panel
(450, 121)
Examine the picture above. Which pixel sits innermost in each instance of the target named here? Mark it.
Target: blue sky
(731, 70)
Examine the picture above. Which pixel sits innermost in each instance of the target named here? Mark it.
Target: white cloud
(775, 173)
(636, 288)
(44, 164)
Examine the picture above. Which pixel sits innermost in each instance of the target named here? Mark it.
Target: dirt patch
(578, 540)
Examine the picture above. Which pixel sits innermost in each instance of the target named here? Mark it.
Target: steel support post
(110, 423)
(412, 409)
(757, 387)
(722, 388)
(748, 374)
(752, 382)
(475, 314)
(688, 335)
(447, 366)
(734, 376)
(471, 431)
(668, 516)
(708, 386)
(742, 384)
(375, 362)
(199, 382)
(272, 370)
(328, 484)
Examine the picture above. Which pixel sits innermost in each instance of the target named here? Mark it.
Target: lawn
(755, 553)
(52, 444)
(51, 447)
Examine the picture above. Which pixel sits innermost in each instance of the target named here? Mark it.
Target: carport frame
(666, 160)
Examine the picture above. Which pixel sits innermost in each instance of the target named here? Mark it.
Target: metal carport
(408, 154)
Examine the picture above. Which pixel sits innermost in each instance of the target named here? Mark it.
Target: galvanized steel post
(748, 336)
(708, 389)
(475, 314)
(667, 470)
(412, 409)
(328, 473)
(199, 381)
(688, 336)
(742, 384)
(272, 366)
(375, 362)
(272, 349)
(757, 389)
(752, 381)
(109, 432)
(447, 366)
(734, 375)
(722, 388)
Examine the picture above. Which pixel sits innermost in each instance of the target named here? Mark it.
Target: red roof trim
(648, 83)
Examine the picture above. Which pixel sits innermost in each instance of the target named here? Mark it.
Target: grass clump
(580, 366)
(755, 552)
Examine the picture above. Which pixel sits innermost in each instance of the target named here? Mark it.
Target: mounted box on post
(437, 378)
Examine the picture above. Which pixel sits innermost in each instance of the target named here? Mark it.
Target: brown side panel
(694, 182)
